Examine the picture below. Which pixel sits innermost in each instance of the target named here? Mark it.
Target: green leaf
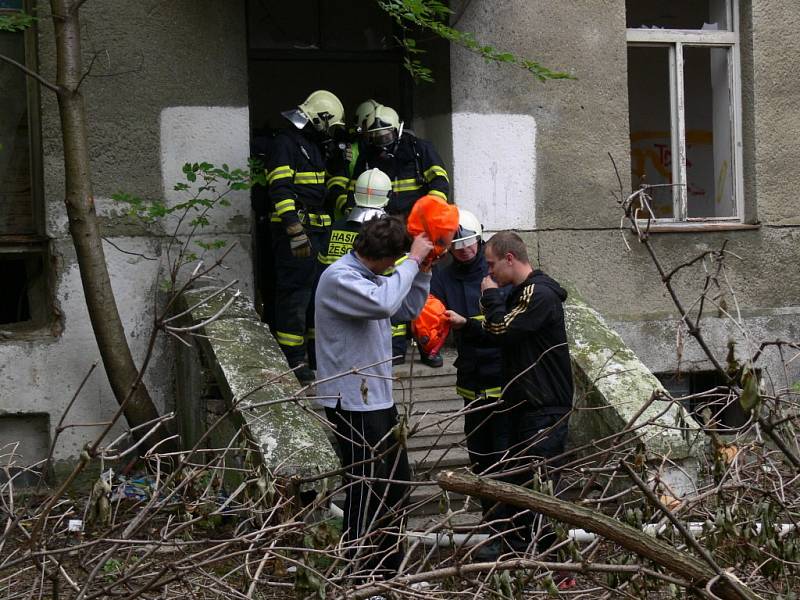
(16, 21)
(750, 396)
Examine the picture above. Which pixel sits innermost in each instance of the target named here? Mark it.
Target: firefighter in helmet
(300, 217)
(414, 168)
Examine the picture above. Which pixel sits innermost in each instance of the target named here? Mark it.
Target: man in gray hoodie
(353, 307)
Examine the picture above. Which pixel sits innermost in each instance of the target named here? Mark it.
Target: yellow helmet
(364, 114)
(324, 110)
(384, 127)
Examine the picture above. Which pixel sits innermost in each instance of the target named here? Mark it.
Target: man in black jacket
(529, 328)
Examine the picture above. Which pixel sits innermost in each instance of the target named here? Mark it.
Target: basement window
(725, 414)
(685, 108)
(24, 259)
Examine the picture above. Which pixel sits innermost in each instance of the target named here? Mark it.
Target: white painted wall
(494, 168)
(216, 134)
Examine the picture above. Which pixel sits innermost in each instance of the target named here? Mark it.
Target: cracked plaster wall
(169, 85)
(575, 235)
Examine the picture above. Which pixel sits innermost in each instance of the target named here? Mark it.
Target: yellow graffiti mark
(721, 180)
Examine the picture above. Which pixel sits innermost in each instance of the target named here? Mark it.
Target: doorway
(348, 47)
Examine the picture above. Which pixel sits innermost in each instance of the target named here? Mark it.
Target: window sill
(697, 227)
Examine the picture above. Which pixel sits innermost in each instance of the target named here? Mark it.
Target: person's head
(322, 109)
(383, 129)
(467, 240)
(381, 242)
(507, 258)
(372, 189)
(364, 115)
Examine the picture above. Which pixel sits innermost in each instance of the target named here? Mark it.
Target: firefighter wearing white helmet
(415, 170)
(300, 218)
(479, 378)
(371, 195)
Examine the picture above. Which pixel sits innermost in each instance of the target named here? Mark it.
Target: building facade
(711, 83)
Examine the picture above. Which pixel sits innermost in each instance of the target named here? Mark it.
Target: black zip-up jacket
(529, 328)
(415, 170)
(458, 286)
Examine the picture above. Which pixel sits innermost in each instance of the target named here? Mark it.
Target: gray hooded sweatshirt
(352, 325)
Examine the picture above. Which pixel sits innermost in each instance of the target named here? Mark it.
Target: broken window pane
(16, 196)
(650, 124)
(678, 14)
(709, 148)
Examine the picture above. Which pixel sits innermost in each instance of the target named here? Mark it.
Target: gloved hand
(300, 246)
(299, 243)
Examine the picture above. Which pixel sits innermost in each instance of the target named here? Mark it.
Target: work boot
(304, 375)
(432, 360)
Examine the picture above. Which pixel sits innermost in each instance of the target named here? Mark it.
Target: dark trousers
(373, 510)
(294, 302)
(486, 429)
(533, 436)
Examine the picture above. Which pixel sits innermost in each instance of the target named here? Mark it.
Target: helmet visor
(381, 138)
(464, 237)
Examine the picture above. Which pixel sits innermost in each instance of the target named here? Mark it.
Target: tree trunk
(83, 226)
(661, 553)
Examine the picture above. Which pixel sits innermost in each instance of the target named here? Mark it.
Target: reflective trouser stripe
(398, 330)
(467, 394)
(289, 339)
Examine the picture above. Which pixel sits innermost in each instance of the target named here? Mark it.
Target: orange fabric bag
(435, 217)
(431, 327)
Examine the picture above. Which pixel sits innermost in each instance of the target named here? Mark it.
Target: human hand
(488, 284)
(420, 248)
(300, 245)
(455, 319)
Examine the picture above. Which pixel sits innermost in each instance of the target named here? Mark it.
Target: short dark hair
(504, 242)
(383, 237)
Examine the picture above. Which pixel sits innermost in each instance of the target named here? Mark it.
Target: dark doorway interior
(347, 46)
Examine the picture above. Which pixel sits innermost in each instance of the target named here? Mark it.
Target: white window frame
(676, 40)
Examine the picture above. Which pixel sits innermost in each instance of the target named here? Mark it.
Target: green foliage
(432, 15)
(16, 21)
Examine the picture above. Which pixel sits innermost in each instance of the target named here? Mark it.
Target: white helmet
(324, 110)
(372, 189)
(470, 230)
(384, 127)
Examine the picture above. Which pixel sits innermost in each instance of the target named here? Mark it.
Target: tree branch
(30, 73)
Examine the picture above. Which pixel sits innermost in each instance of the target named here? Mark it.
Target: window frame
(675, 40)
(35, 242)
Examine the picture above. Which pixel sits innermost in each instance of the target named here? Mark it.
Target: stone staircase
(436, 440)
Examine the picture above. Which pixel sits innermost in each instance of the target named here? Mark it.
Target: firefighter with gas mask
(479, 377)
(300, 218)
(415, 169)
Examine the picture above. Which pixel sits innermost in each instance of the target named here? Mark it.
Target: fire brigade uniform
(479, 377)
(296, 180)
(415, 169)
